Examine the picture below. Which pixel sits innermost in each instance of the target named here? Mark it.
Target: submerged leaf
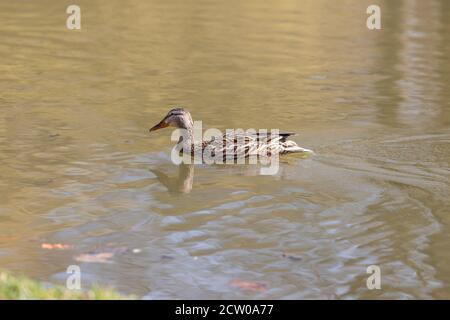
(248, 285)
(102, 257)
(51, 246)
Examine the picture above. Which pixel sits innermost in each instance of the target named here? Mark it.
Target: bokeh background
(79, 168)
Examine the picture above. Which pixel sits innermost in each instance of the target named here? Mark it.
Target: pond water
(79, 167)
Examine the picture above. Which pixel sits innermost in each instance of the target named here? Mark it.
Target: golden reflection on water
(79, 167)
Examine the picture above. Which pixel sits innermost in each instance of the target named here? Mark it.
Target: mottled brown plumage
(231, 145)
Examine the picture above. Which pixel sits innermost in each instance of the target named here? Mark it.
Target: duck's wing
(239, 144)
(261, 135)
(283, 135)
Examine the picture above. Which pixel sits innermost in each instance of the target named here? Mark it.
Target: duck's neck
(186, 140)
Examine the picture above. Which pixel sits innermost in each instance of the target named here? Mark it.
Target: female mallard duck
(234, 145)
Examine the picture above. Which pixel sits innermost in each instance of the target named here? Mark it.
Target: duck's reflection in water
(180, 184)
(183, 182)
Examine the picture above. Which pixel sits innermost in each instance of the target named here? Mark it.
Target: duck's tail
(292, 147)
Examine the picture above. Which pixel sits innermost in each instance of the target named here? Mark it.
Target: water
(78, 166)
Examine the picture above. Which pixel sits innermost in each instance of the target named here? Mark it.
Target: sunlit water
(78, 166)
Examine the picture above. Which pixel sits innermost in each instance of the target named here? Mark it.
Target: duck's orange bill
(160, 125)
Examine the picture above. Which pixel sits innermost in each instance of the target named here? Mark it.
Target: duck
(233, 145)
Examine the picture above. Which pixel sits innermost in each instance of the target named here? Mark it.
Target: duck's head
(178, 118)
